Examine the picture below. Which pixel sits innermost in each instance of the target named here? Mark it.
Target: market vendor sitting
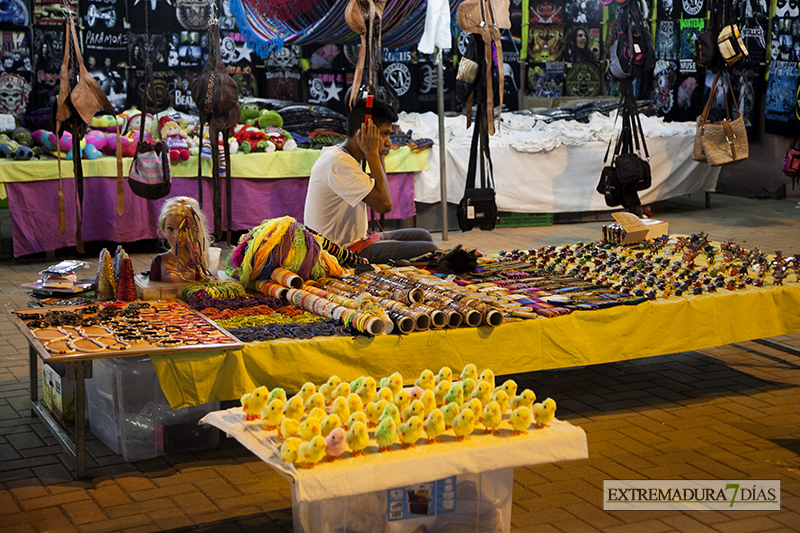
(339, 191)
(184, 225)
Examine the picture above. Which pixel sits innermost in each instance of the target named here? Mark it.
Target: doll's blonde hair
(186, 207)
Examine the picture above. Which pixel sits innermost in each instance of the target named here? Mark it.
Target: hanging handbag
(150, 175)
(791, 161)
(722, 142)
(731, 45)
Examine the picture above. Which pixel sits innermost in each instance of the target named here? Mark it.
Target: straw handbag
(723, 142)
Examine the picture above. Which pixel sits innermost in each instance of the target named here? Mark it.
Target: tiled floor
(727, 412)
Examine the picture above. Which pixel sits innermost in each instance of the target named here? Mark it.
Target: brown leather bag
(364, 17)
(723, 142)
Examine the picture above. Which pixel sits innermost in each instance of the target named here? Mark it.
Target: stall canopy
(322, 21)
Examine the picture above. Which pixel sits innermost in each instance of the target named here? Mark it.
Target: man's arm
(371, 142)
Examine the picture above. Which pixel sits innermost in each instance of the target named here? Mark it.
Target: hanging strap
(613, 128)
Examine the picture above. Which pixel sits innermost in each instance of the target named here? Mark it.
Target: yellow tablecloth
(582, 338)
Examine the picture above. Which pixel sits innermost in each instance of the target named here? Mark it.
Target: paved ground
(729, 412)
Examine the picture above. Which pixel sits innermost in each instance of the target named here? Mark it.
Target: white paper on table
(388, 470)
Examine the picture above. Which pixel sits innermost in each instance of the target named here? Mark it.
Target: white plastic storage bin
(130, 414)
(469, 503)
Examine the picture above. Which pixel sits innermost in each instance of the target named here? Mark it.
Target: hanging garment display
(15, 55)
(780, 117)
(667, 39)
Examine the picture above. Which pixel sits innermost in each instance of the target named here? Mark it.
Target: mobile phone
(368, 115)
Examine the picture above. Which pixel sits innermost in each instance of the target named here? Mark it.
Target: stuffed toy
(250, 114)
(23, 137)
(270, 118)
(12, 149)
(175, 138)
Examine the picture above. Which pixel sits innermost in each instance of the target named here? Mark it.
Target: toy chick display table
(183, 224)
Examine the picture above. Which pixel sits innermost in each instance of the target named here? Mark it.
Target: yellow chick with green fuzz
(464, 424)
(290, 450)
(312, 451)
(366, 391)
(501, 398)
(342, 390)
(470, 371)
(410, 432)
(254, 402)
(426, 380)
(318, 412)
(434, 426)
(402, 400)
(520, 420)
(475, 406)
(391, 411)
(450, 411)
(289, 428)
(374, 411)
(445, 374)
(278, 394)
(468, 385)
(341, 409)
(310, 428)
(328, 387)
(384, 393)
(483, 392)
(417, 408)
(523, 399)
(394, 383)
(386, 434)
(509, 386)
(307, 390)
(355, 403)
(272, 415)
(428, 400)
(354, 385)
(357, 438)
(329, 423)
(492, 418)
(358, 416)
(314, 401)
(543, 413)
(487, 376)
(440, 391)
(294, 408)
(455, 395)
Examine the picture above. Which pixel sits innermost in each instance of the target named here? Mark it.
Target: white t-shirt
(334, 201)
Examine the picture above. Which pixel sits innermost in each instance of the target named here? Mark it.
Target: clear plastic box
(128, 411)
(481, 504)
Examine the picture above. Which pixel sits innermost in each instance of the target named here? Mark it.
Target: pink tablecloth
(34, 208)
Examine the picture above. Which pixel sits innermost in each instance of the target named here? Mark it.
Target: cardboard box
(58, 392)
(465, 503)
(638, 229)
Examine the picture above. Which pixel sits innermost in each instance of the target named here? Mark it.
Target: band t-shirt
(334, 202)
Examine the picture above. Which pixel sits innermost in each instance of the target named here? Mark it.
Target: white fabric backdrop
(554, 168)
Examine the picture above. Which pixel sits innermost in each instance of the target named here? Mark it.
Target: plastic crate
(523, 220)
(469, 503)
(130, 414)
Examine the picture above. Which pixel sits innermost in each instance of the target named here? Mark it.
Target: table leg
(708, 199)
(33, 375)
(78, 371)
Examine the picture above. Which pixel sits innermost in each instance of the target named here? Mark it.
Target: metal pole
(442, 165)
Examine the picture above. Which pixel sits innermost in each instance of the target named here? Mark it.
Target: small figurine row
(338, 414)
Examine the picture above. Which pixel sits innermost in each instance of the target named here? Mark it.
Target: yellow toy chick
(358, 416)
(450, 411)
(318, 412)
(355, 403)
(294, 408)
(509, 386)
(290, 451)
(417, 408)
(272, 414)
(543, 413)
(470, 371)
(445, 374)
(289, 428)
(329, 423)
(520, 420)
(312, 452)
(440, 391)
(475, 406)
(315, 400)
(434, 426)
(307, 390)
(523, 399)
(354, 385)
(386, 434)
(487, 376)
(455, 395)
(341, 409)
(367, 390)
(428, 400)
(394, 383)
(502, 400)
(391, 411)
(410, 432)
(357, 438)
(483, 392)
(374, 411)
(328, 387)
(468, 385)
(342, 390)
(426, 380)
(278, 394)
(254, 402)
(384, 393)
(310, 428)
(464, 424)
(402, 400)
(492, 418)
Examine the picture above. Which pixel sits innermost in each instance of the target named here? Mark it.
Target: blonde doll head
(184, 225)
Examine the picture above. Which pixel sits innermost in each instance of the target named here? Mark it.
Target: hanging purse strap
(613, 128)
